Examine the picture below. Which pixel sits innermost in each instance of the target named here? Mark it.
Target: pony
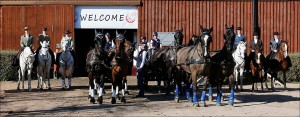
(44, 65)
(256, 67)
(280, 63)
(66, 62)
(239, 59)
(26, 64)
(195, 60)
(97, 68)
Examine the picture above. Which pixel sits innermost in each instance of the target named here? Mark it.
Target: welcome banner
(106, 17)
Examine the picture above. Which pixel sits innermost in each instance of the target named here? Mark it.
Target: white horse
(26, 64)
(66, 62)
(44, 65)
(239, 59)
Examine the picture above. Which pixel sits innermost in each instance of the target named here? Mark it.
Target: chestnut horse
(256, 66)
(120, 66)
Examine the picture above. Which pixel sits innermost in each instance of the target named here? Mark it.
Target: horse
(26, 64)
(256, 67)
(96, 68)
(120, 66)
(239, 59)
(66, 62)
(223, 66)
(195, 60)
(129, 49)
(44, 65)
(280, 63)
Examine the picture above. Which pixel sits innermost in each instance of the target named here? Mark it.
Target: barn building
(142, 17)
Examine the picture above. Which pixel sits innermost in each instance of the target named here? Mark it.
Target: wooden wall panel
(57, 18)
(274, 15)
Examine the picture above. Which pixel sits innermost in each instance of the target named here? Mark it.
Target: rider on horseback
(256, 44)
(44, 37)
(239, 37)
(274, 45)
(68, 39)
(26, 41)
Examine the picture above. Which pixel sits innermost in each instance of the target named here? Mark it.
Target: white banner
(106, 17)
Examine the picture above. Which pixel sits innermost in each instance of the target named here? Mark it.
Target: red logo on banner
(131, 17)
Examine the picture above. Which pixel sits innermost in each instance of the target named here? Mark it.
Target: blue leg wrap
(195, 99)
(176, 91)
(188, 94)
(231, 98)
(210, 92)
(219, 95)
(203, 96)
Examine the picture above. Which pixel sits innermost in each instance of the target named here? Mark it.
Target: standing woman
(140, 62)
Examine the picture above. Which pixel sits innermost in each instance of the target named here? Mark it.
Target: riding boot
(57, 59)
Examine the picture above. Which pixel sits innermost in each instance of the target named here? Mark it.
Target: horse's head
(194, 40)
(241, 48)
(205, 40)
(229, 37)
(283, 49)
(99, 41)
(129, 49)
(65, 46)
(119, 43)
(178, 36)
(29, 57)
(45, 47)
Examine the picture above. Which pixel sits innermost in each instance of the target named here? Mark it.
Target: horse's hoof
(218, 104)
(29, 90)
(89, 97)
(127, 92)
(63, 88)
(69, 87)
(113, 100)
(100, 100)
(177, 100)
(92, 100)
(202, 104)
(118, 96)
(41, 89)
(190, 100)
(242, 90)
(210, 99)
(123, 100)
(196, 104)
(49, 88)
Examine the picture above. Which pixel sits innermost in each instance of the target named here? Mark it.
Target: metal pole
(255, 17)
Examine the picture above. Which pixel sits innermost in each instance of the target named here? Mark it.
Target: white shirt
(276, 40)
(140, 60)
(255, 41)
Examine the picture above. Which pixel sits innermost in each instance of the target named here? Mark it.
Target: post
(255, 17)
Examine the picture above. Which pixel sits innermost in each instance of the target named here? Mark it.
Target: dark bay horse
(280, 63)
(162, 64)
(195, 60)
(96, 68)
(223, 66)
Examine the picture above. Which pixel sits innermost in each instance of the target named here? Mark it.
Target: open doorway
(84, 43)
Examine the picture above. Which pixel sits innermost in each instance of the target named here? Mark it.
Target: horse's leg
(203, 95)
(70, 68)
(236, 78)
(113, 80)
(92, 85)
(253, 79)
(29, 80)
(100, 88)
(48, 77)
(241, 77)
(231, 87)
(177, 81)
(261, 80)
(274, 76)
(123, 87)
(284, 80)
(194, 82)
(219, 92)
(210, 93)
(20, 76)
(23, 78)
(63, 76)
